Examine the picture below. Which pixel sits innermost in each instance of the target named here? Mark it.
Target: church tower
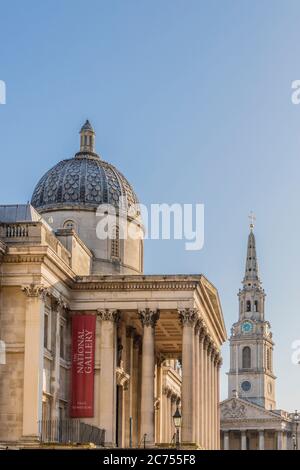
(251, 374)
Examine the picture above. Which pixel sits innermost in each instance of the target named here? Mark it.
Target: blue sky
(191, 100)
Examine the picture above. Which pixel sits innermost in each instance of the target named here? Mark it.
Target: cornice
(137, 284)
(24, 258)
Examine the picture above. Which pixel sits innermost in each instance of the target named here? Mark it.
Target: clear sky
(191, 100)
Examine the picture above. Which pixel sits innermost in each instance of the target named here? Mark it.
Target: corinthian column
(108, 352)
(148, 318)
(58, 307)
(33, 359)
(188, 319)
(209, 397)
(219, 363)
(214, 399)
(197, 383)
(206, 391)
(201, 388)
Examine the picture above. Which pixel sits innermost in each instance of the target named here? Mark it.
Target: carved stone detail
(149, 317)
(109, 315)
(59, 303)
(234, 410)
(188, 316)
(35, 290)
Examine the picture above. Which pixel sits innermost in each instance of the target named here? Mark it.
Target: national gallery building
(96, 351)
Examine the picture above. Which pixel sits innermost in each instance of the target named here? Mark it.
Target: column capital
(35, 290)
(188, 316)
(149, 316)
(199, 326)
(217, 357)
(108, 315)
(214, 353)
(202, 334)
(59, 303)
(208, 344)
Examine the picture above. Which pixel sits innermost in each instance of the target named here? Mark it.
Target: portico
(145, 338)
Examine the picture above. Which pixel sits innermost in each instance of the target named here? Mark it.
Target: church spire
(251, 270)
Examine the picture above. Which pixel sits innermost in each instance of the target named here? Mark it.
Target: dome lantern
(87, 138)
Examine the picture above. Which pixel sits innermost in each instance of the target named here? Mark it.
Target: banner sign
(83, 360)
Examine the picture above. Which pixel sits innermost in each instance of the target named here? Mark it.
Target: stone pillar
(128, 392)
(188, 319)
(205, 399)
(135, 389)
(219, 364)
(214, 400)
(57, 306)
(159, 394)
(201, 388)
(243, 440)
(108, 353)
(226, 440)
(196, 384)
(148, 318)
(261, 440)
(209, 395)
(279, 440)
(33, 360)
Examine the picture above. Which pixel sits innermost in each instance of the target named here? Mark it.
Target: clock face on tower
(246, 386)
(247, 327)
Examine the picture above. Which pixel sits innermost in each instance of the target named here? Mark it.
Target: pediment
(236, 408)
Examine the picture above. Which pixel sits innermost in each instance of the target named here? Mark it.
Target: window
(62, 341)
(115, 243)
(69, 224)
(248, 306)
(46, 331)
(246, 358)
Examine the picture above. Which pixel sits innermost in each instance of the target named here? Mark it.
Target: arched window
(246, 358)
(69, 224)
(256, 306)
(115, 243)
(248, 304)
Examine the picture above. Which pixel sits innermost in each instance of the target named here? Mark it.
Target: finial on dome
(87, 137)
(252, 219)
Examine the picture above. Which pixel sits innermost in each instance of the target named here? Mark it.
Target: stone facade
(158, 337)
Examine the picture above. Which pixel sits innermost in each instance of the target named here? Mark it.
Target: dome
(84, 181)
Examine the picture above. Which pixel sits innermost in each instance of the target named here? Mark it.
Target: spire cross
(252, 219)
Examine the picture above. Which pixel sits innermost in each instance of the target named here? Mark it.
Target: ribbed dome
(85, 181)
